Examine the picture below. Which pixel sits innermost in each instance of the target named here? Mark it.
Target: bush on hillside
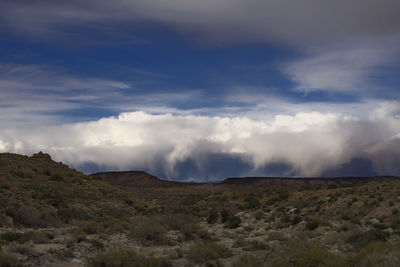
(207, 251)
(125, 258)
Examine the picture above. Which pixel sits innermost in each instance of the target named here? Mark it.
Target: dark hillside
(39, 192)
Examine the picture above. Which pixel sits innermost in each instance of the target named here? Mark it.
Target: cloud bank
(212, 147)
(224, 21)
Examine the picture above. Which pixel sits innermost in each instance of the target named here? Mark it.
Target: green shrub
(255, 245)
(113, 226)
(207, 251)
(7, 260)
(47, 172)
(212, 217)
(148, 230)
(314, 223)
(19, 174)
(259, 215)
(225, 214)
(332, 186)
(295, 220)
(248, 260)
(5, 186)
(233, 222)
(318, 257)
(35, 236)
(378, 254)
(125, 258)
(252, 202)
(56, 178)
(361, 239)
(13, 236)
(90, 227)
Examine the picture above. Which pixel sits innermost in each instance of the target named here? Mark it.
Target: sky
(204, 90)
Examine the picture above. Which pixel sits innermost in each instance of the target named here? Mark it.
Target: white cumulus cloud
(308, 142)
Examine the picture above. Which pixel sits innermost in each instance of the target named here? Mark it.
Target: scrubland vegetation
(51, 215)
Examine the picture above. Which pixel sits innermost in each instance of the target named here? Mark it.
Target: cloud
(344, 70)
(200, 147)
(31, 93)
(331, 34)
(222, 21)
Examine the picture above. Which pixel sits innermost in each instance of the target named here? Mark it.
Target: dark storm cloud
(293, 22)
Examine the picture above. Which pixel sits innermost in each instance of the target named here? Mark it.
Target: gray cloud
(331, 35)
(224, 20)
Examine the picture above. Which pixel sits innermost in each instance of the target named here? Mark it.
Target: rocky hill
(134, 179)
(39, 192)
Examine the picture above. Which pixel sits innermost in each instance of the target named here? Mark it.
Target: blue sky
(265, 83)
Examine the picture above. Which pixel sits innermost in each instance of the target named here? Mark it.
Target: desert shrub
(148, 230)
(113, 226)
(56, 178)
(7, 260)
(30, 216)
(66, 212)
(380, 226)
(233, 222)
(395, 211)
(361, 239)
(77, 236)
(256, 245)
(22, 249)
(13, 236)
(314, 223)
(125, 258)
(295, 220)
(5, 186)
(259, 215)
(207, 251)
(378, 254)
(176, 221)
(248, 260)
(395, 224)
(35, 236)
(252, 202)
(90, 227)
(318, 257)
(286, 219)
(19, 174)
(332, 186)
(47, 172)
(225, 214)
(212, 217)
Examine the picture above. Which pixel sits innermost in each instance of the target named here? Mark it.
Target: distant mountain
(135, 179)
(273, 181)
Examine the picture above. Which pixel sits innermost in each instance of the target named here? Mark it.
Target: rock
(389, 230)
(374, 221)
(76, 261)
(292, 210)
(77, 254)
